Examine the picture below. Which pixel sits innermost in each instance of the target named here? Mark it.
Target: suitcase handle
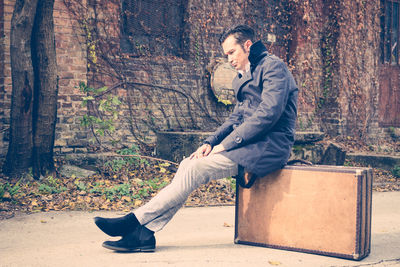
(244, 175)
(302, 161)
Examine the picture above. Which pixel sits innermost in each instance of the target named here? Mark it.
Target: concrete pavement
(195, 237)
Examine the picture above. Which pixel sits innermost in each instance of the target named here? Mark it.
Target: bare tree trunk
(46, 89)
(19, 154)
(35, 89)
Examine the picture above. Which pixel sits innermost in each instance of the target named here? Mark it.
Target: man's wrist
(207, 143)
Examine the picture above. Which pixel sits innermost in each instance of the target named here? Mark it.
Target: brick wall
(358, 72)
(72, 68)
(179, 101)
(306, 61)
(186, 101)
(335, 59)
(181, 97)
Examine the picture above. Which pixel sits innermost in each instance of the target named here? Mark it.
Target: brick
(80, 150)
(60, 143)
(66, 150)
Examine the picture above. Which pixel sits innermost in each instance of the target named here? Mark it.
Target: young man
(257, 136)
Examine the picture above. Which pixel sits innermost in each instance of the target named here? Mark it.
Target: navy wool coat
(259, 134)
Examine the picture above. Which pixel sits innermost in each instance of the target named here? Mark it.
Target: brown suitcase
(315, 209)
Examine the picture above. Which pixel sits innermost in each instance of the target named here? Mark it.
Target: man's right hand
(202, 151)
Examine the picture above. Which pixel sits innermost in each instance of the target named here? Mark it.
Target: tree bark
(45, 90)
(35, 89)
(19, 153)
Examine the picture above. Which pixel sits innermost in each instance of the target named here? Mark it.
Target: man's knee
(192, 168)
(184, 164)
(192, 163)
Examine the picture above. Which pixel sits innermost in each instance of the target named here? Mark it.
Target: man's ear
(247, 45)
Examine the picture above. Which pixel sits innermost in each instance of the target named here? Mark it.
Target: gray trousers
(191, 174)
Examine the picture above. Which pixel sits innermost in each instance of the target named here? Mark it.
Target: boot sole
(135, 249)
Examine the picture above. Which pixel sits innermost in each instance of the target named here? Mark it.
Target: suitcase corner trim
(354, 256)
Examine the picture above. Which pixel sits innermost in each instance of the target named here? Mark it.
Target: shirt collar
(246, 69)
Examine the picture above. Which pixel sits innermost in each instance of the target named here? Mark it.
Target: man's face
(238, 56)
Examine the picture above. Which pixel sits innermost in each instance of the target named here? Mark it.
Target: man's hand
(217, 149)
(202, 151)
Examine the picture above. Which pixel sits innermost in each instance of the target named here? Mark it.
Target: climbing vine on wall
(154, 96)
(358, 46)
(334, 58)
(329, 45)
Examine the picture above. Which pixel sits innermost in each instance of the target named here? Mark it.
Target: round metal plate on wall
(221, 82)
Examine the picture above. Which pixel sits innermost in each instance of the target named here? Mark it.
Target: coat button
(238, 139)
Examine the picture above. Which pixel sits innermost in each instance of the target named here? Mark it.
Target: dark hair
(242, 33)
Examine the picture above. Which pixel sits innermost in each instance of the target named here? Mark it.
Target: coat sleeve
(226, 128)
(275, 82)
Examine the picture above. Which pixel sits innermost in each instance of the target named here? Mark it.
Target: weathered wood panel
(389, 98)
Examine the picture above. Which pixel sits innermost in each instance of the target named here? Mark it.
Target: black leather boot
(140, 240)
(117, 226)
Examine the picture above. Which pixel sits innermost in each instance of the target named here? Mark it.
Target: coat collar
(257, 52)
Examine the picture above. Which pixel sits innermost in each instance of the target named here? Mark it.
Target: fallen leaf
(6, 195)
(104, 206)
(227, 224)
(126, 198)
(275, 263)
(70, 186)
(137, 202)
(137, 181)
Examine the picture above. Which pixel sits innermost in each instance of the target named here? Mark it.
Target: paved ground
(195, 237)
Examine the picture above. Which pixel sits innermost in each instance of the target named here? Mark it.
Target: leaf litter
(122, 189)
